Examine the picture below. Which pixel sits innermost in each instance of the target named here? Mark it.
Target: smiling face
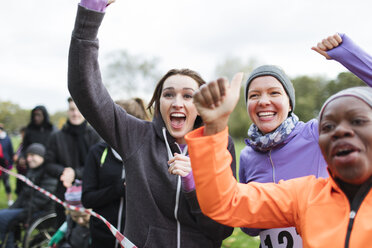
(74, 115)
(268, 103)
(34, 160)
(345, 139)
(176, 105)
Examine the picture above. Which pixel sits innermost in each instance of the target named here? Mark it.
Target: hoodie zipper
(178, 191)
(355, 205)
(272, 166)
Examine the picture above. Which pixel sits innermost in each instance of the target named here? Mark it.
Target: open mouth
(343, 150)
(266, 114)
(177, 120)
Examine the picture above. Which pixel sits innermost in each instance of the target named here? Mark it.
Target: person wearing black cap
(30, 202)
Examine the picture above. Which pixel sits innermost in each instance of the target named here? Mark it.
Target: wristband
(97, 5)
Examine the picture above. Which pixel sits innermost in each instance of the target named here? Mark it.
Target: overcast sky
(197, 34)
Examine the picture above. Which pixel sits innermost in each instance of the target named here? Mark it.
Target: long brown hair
(134, 106)
(155, 100)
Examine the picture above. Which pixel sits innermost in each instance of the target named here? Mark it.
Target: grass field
(237, 240)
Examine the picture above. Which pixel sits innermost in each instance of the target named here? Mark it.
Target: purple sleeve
(188, 183)
(353, 58)
(97, 5)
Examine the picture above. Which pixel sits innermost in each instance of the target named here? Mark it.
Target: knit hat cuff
(279, 74)
(36, 148)
(364, 93)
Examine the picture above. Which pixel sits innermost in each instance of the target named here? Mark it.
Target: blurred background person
(20, 161)
(30, 202)
(8, 153)
(104, 183)
(66, 152)
(39, 128)
(74, 232)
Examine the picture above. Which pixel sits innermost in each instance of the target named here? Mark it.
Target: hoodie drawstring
(178, 192)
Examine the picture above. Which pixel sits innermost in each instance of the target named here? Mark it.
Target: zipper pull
(352, 214)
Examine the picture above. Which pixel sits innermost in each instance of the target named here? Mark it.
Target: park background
(311, 92)
(140, 40)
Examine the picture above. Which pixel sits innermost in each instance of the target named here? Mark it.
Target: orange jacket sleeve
(221, 198)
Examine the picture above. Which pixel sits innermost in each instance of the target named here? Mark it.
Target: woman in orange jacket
(332, 212)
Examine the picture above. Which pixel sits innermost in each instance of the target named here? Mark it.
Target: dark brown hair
(134, 106)
(155, 100)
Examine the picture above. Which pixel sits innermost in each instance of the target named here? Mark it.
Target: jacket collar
(336, 187)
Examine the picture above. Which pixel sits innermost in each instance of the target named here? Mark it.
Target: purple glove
(97, 5)
(188, 183)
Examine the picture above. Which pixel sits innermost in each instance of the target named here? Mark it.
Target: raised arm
(86, 87)
(215, 102)
(342, 49)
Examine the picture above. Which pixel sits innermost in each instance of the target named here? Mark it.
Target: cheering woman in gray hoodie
(161, 204)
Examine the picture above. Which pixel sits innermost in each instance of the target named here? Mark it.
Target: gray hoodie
(151, 190)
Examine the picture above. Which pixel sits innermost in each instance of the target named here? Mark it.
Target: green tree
(309, 93)
(344, 80)
(312, 92)
(13, 116)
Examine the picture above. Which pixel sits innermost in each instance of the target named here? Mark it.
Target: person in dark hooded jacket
(66, 153)
(38, 130)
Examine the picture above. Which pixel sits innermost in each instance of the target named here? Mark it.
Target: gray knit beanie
(364, 93)
(36, 148)
(275, 71)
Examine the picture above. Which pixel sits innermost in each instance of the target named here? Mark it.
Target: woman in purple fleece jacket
(281, 147)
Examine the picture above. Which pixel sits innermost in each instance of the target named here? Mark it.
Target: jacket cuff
(188, 183)
(94, 5)
(87, 23)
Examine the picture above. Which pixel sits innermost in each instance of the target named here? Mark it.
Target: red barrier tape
(123, 241)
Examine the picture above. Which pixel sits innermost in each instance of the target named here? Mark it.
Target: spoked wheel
(40, 232)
